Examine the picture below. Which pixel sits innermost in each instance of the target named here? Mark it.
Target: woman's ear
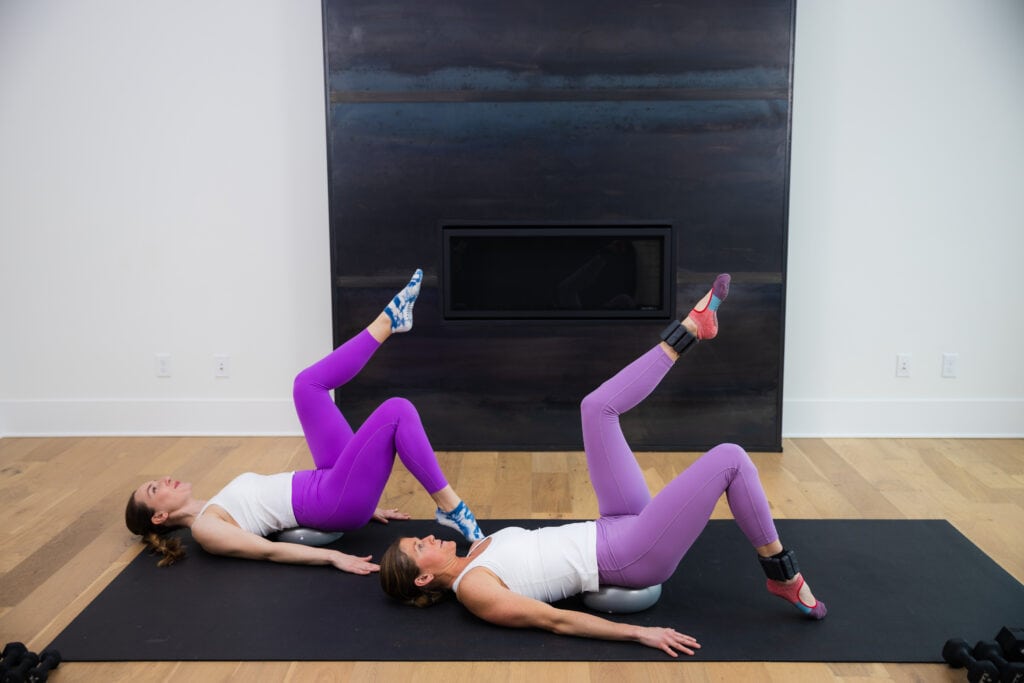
(159, 517)
(424, 580)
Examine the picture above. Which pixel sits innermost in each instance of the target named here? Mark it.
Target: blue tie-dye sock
(400, 308)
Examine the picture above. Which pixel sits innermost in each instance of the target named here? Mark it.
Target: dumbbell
(48, 661)
(19, 672)
(1012, 642)
(12, 653)
(1009, 672)
(957, 654)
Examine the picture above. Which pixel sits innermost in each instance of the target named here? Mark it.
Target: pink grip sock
(706, 319)
(790, 592)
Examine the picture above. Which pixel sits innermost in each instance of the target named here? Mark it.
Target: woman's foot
(798, 593)
(702, 321)
(399, 311)
(462, 520)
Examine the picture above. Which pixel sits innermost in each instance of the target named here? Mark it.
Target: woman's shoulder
(477, 579)
(209, 516)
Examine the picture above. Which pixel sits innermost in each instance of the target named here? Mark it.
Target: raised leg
(614, 472)
(641, 544)
(324, 426)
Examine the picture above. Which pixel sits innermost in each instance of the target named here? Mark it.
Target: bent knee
(396, 405)
(594, 406)
(305, 382)
(732, 454)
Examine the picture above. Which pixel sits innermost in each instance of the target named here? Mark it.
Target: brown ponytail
(139, 520)
(398, 579)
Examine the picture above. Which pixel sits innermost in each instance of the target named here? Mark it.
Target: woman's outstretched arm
(220, 537)
(483, 595)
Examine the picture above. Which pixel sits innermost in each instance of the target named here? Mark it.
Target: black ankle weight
(676, 336)
(780, 567)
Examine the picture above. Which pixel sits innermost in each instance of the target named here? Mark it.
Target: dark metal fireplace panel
(532, 271)
(542, 116)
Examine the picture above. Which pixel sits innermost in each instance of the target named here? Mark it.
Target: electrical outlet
(903, 365)
(950, 364)
(221, 365)
(163, 365)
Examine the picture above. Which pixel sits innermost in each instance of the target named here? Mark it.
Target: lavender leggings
(641, 540)
(352, 468)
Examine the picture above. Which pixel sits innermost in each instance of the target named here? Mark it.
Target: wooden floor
(63, 538)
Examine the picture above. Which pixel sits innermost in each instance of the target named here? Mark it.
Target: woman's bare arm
(220, 537)
(484, 595)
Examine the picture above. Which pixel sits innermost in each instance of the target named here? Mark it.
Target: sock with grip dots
(400, 308)
(705, 316)
(462, 520)
(791, 593)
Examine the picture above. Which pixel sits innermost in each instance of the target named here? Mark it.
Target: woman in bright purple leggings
(341, 494)
(511, 577)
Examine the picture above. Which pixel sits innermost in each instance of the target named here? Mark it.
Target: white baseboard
(149, 417)
(910, 418)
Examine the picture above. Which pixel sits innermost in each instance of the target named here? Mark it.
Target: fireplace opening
(557, 271)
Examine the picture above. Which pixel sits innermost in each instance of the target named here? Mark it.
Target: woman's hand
(667, 639)
(382, 516)
(353, 564)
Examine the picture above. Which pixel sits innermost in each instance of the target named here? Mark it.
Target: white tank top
(261, 504)
(547, 564)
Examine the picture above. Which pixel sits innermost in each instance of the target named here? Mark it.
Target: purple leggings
(640, 540)
(352, 468)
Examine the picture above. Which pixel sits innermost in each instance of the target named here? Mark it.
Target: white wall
(906, 218)
(163, 189)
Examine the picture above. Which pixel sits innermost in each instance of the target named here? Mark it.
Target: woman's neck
(455, 569)
(447, 576)
(188, 513)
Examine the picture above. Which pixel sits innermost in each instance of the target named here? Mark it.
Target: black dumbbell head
(1009, 672)
(990, 650)
(956, 652)
(982, 671)
(1012, 642)
(19, 672)
(13, 651)
(48, 661)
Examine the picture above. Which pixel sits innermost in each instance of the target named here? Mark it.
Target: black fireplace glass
(587, 272)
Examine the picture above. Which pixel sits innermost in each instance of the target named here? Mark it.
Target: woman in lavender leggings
(341, 494)
(510, 577)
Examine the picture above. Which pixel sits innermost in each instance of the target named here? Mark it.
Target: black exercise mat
(896, 591)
